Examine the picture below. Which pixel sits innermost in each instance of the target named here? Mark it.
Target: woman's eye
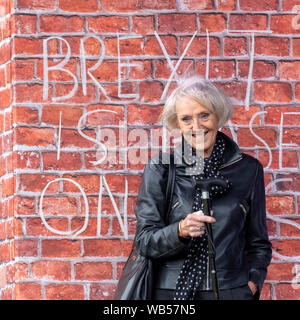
(204, 116)
(186, 119)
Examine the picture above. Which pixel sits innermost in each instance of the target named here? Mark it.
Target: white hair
(202, 91)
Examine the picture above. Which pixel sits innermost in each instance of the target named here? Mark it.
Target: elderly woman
(178, 246)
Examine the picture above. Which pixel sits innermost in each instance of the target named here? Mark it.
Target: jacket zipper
(175, 205)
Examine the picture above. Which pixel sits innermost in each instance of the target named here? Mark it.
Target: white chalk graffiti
(102, 152)
(296, 19)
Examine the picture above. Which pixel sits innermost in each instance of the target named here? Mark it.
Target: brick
(247, 22)
(113, 161)
(288, 5)
(151, 91)
(102, 248)
(64, 292)
(5, 98)
(286, 291)
(60, 205)
(89, 183)
(3, 79)
(71, 138)
(37, 5)
(102, 291)
(58, 75)
(272, 46)
(153, 48)
(234, 89)
(117, 231)
(31, 92)
(196, 4)
(68, 161)
(5, 252)
(111, 24)
(226, 5)
(288, 230)
(24, 205)
(272, 91)
(292, 185)
(93, 271)
(246, 139)
(137, 5)
(26, 160)
(297, 91)
(143, 25)
(162, 69)
(59, 24)
(51, 270)
(17, 272)
(296, 47)
(274, 114)
(116, 183)
(286, 247)
(91, 229)
(103, 118)
(62, 90)
(284, 24)
(26, 248)
(36, 227)
(61, 248)
(177, 23)
(261, 69)
(37, 182)
(143, 114)
(120, 6)
(31, 46)
(24, 24)
(253, 5)
(291, 136)
(157, 4)
(280, 205)
(218, 69)
(289, 159)
(289, 70)
(128, 47)
(280, 272)
(235, 46)
(106, 72)
(69, 115)
(25, 115)
(141, 71)
(34, 136)
(28, 291)
(79, 5)
(212, 22)
(8, 186)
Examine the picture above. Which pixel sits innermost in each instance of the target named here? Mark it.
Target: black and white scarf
(194, 268)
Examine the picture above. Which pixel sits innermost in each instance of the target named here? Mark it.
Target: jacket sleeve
(258, 246)
(154, 238)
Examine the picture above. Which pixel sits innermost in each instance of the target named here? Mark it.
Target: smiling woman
(178, 246)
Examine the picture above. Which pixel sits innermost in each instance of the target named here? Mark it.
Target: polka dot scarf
(194, 268)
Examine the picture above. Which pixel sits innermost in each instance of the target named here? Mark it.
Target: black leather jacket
(243, 250)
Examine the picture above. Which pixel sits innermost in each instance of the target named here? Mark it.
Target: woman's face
(193, 118)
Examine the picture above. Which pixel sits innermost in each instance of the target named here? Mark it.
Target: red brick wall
(75, 247)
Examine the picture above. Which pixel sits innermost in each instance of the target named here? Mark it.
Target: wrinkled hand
(193, 225)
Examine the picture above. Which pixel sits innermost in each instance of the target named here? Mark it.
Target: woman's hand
(252, 287)
(193, 225)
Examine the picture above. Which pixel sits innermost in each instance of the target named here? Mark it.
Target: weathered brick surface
(62, 60)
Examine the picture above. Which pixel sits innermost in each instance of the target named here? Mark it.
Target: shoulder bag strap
(170, 185)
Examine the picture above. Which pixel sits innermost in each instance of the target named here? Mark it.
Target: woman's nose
(197, 123)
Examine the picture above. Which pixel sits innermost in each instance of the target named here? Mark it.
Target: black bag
(136, 279)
